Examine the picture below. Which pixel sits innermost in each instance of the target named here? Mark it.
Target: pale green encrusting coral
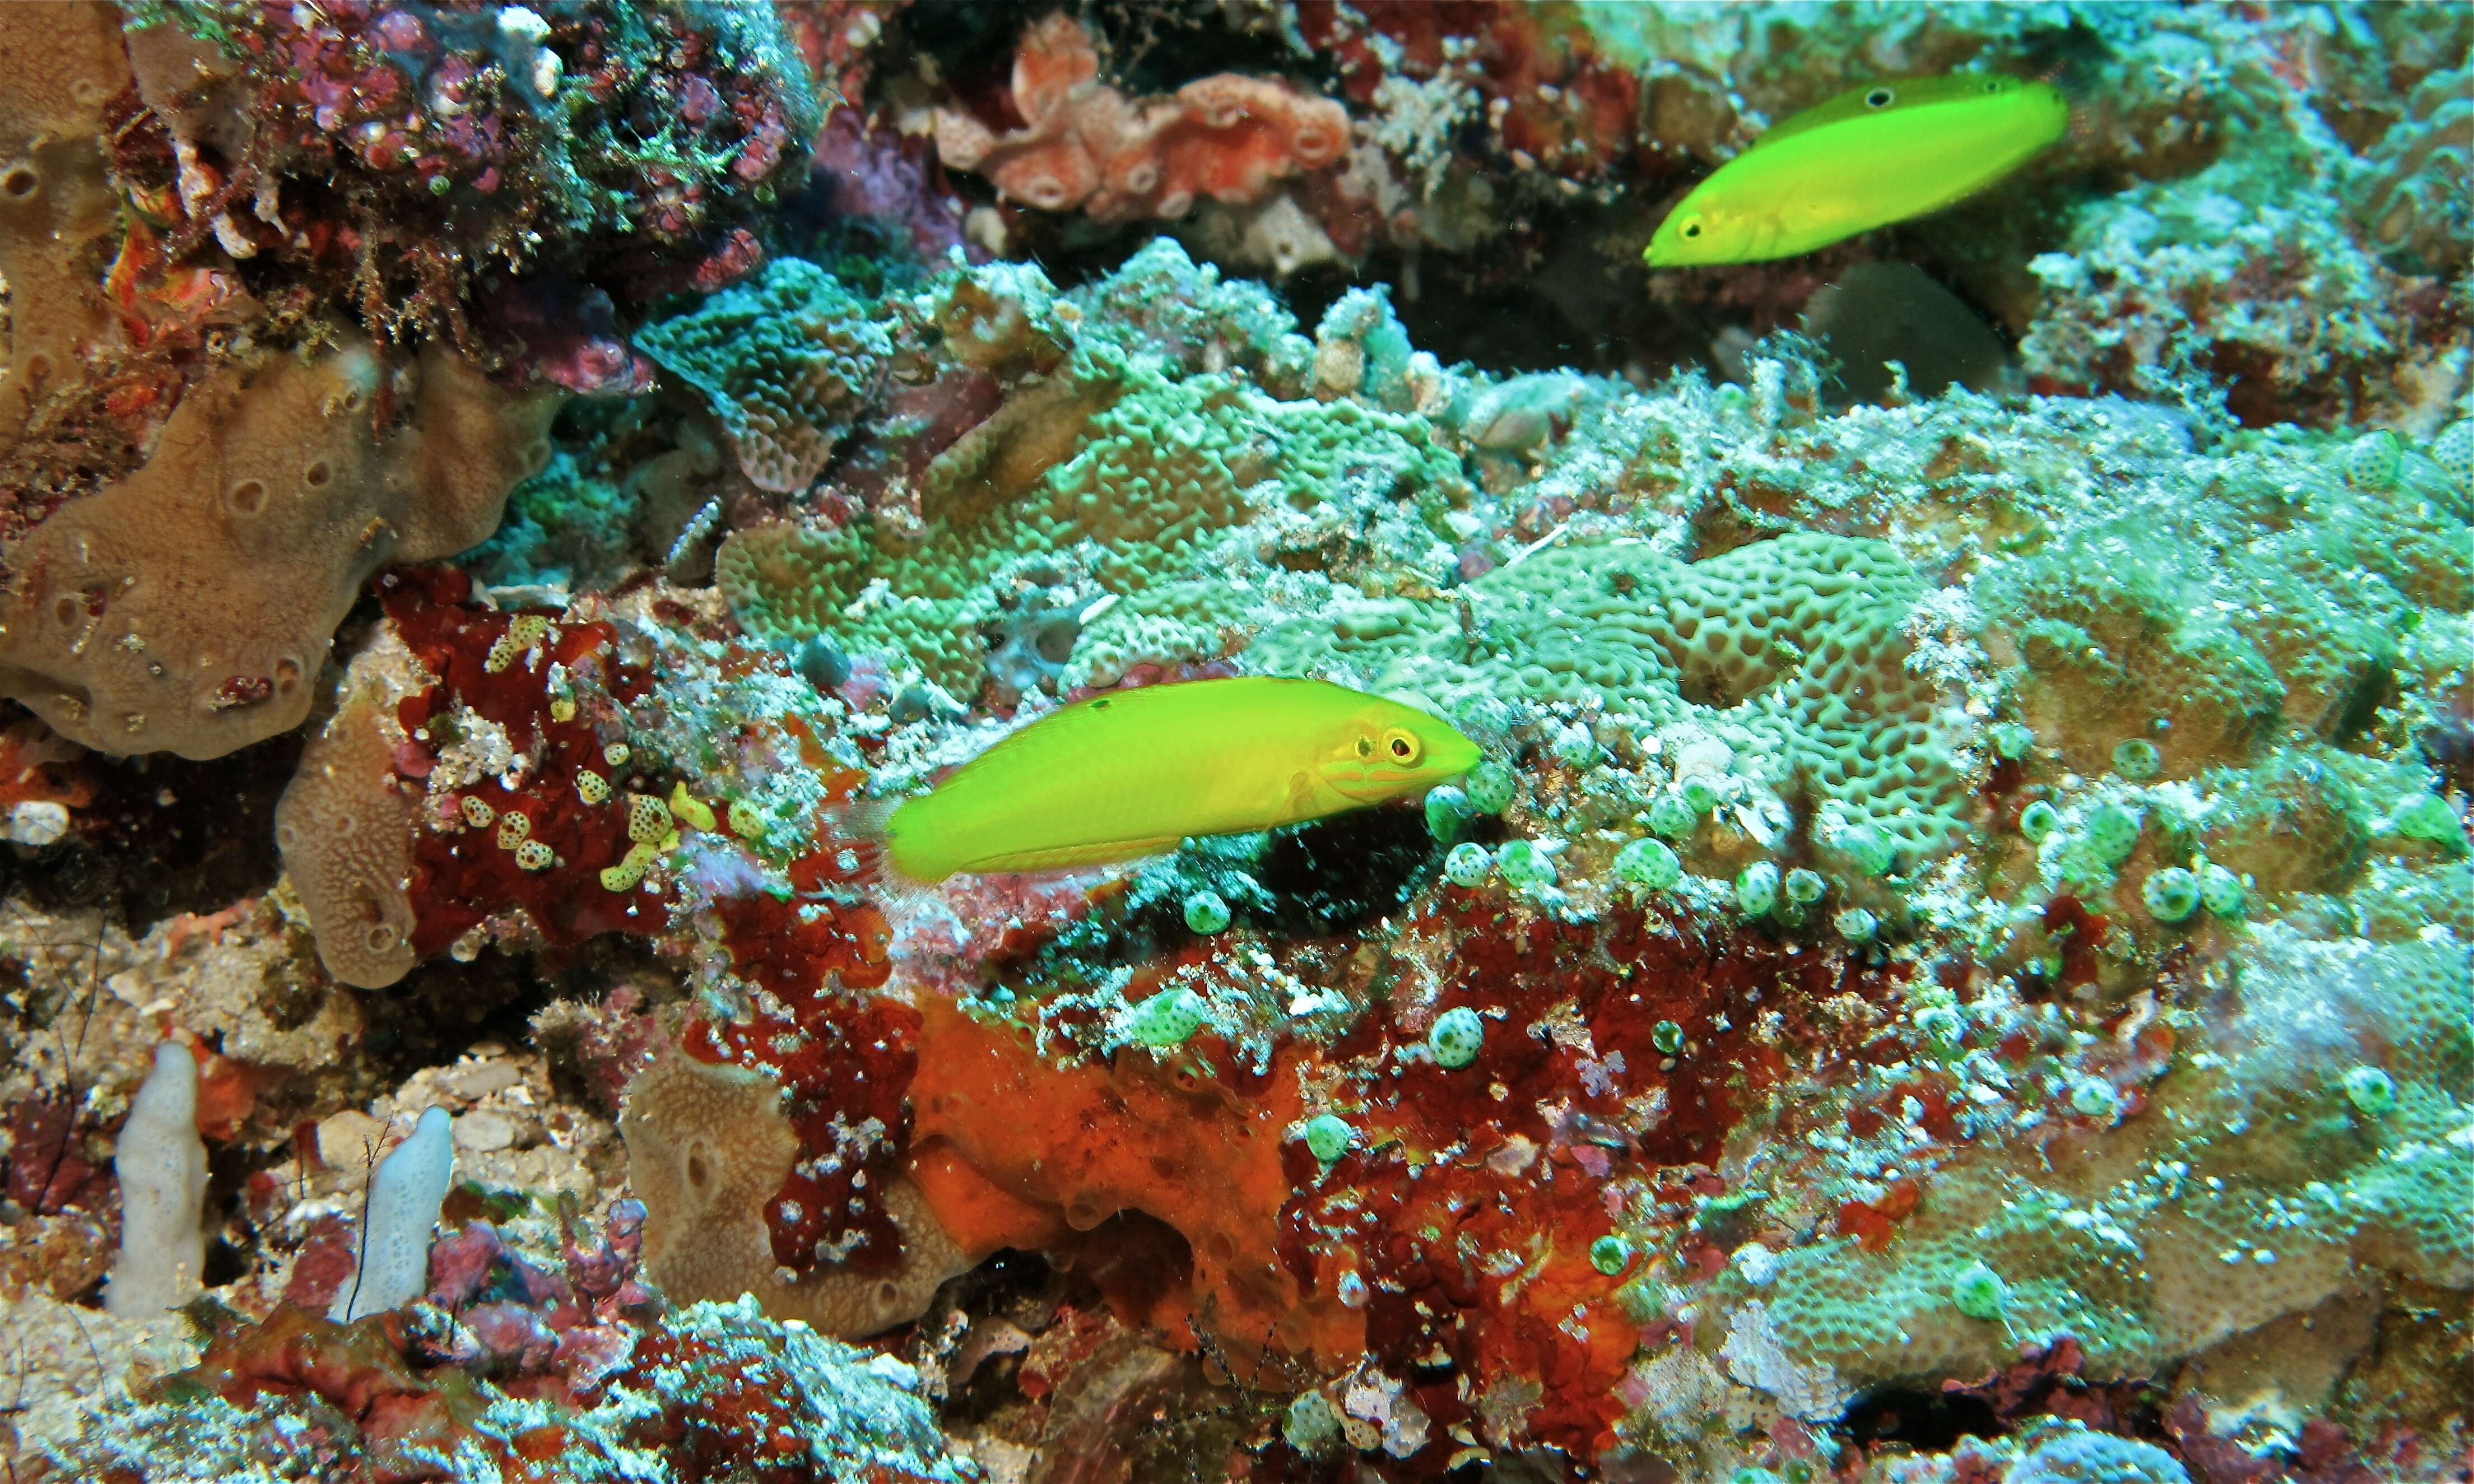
(2227, 1202)
(785, 361)
(1144, 469)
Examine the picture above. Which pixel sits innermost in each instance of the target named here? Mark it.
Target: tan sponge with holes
(189, 608)
(347, 822)
(707, 1147)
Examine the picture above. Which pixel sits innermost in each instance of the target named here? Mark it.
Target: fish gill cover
(1950, 966)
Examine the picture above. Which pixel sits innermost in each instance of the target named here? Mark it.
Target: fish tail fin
(2073, 75)
(862, 828)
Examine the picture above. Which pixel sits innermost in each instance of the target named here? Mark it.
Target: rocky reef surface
(1954, 968)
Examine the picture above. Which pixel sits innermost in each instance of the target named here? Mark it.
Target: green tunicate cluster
(1979, 1292)
(1329, 1136)
(1311, 1425)
(1522, 864)
(2112, 833)
(1867, 848)
(2371, 1091)
(2220, 890)
(1667, 1036)
(1648, 864)
(2427, 817)
(2375, 461)
(1575, 747)
(1700, 795)
(2012, 740)
(1168, 1020)
(1856, 925)
(1448, 811)
(1611, 1255)
(1491, 787)
(1803, 887)
(1670, 815)
(1206, 913)
(2137, 759)
(1457, 1037)
(1757, 889)
(2092, 1097)
(1466, 863)
(1801, 635)
(2039, 819)
(2453, 449)
(2171, 894)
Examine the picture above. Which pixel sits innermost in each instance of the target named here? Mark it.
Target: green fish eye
(1692, 229)
(1879, 98)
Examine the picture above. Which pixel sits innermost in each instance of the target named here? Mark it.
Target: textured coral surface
(1956, 964)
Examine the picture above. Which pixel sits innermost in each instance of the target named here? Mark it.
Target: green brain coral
(1797, 640)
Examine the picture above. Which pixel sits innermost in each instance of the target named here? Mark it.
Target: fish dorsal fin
(1903, 95)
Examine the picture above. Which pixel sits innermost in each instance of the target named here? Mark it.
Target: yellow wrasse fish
(1131, 773)
(1870, 157)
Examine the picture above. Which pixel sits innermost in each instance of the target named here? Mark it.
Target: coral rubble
(1956, 963)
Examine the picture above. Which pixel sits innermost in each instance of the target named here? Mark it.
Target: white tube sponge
(402, 1216)
(162, 1164)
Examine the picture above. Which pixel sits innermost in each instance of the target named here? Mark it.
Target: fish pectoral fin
(1058, 857)
(1301, 794)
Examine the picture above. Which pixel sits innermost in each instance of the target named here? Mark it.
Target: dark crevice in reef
(1338, 874)
(443, 1008)
(1929, 1422)
(161, 836)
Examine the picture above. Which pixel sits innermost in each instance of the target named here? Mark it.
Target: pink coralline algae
(1082, 144)
(402, 154)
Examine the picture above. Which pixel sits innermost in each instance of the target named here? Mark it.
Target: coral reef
(1954, 966)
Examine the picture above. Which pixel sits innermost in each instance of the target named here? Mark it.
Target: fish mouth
(1361, 787)
(1377, 785)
